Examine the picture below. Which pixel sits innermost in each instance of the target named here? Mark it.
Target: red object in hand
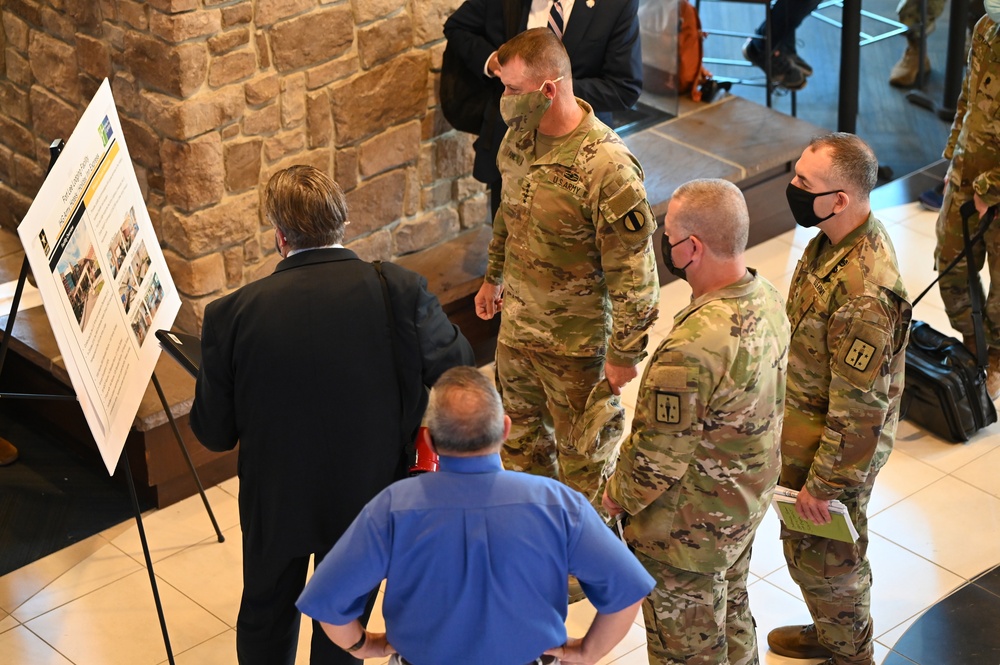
(427, 459)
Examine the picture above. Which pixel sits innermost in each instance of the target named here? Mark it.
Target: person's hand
(493, 65)
(570, 653)
(809, 507)
(619, 375)
(376, 646)
(489, 300)
(981, 206)
(610, 505)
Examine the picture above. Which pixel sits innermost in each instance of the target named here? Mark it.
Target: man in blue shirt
(476, 559)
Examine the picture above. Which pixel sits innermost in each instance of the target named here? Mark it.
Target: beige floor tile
(983, 473)
(21, 646)
(219, 650)
(20, 585)
(901, 477)
(948, 457)
(105, 566)
(231, 486)
(950, 522)
(903, 214)
(210, 573)
(7, 622)
(891, 636)
(636, 656)
(773, 259)
(771, 609)
(117, 624)
(181, 525)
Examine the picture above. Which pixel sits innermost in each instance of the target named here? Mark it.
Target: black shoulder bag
(945, 389)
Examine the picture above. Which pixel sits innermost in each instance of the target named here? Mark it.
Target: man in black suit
(299, 367)
(601, 37)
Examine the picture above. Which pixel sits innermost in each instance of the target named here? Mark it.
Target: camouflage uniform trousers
(836, 581)
(699, 618)
(566, 423)
(955, 285)
(909, 14)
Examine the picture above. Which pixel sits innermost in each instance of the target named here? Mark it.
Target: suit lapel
(576, 28)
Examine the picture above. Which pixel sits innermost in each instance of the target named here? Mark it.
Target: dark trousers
(786, 17)
(267, 629)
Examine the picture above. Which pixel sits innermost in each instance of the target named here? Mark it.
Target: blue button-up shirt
(476, 561)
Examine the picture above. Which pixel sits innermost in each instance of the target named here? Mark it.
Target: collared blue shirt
(476, 561)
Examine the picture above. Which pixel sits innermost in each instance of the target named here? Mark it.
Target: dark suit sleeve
(620, 81)
(442, 344)
(213, 414)
(467, 31)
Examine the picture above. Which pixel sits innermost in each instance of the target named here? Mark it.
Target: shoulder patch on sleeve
(628, 213)
(862, 353)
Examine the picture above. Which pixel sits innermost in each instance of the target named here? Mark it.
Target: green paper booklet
(840, 526)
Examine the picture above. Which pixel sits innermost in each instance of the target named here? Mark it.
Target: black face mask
(801, 204)
(668, 259)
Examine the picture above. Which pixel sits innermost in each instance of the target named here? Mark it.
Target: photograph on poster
(140, 324)
(120, 243)
(141, 263)
(81, 275)
(128, 289)
(154, 295)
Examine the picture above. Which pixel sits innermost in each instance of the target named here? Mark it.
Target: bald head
(716, 212)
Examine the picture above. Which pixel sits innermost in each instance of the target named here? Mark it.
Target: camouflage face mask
(523, 112)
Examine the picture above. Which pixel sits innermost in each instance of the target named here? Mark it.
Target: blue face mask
(993, 9)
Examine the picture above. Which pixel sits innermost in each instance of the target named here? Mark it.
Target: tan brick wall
(217, 95)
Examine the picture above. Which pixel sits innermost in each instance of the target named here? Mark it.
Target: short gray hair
(715, 211)
(854, 164)
(465, 413)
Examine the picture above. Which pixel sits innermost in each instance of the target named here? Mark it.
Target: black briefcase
(945, 388)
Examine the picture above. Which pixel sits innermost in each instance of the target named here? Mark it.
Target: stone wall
(216, 95)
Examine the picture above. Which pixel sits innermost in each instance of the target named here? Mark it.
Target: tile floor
(935, 523)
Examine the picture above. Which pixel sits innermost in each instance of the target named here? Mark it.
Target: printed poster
(101, 274)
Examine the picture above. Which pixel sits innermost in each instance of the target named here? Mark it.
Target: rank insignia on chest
(668, 408)
(860, 354)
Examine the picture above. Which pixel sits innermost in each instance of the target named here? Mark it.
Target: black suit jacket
(298, 367)
(603, 46)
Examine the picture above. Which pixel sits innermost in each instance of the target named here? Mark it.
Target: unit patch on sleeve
(860, 354)
(668, 408)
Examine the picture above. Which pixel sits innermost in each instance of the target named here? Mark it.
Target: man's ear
(506, 426)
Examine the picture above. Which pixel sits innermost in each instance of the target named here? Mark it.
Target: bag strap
(392, 334)
(967, 210)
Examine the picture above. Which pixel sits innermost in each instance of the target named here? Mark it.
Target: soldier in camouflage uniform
(571, 264)
(850, 323)
(974, 151)
(904, 72)
(698, 471)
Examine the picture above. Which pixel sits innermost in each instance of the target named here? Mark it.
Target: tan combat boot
(993, 374)
(904, 72)
(797, 642)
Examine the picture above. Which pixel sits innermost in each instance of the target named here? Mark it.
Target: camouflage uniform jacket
(697, 473)
(974, 144)
(850, 323)
(571, 246)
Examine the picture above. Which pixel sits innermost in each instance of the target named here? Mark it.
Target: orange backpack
(690, 72)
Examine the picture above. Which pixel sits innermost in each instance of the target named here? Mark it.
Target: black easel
(54, 150)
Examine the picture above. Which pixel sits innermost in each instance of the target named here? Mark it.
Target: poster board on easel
(99, 269)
